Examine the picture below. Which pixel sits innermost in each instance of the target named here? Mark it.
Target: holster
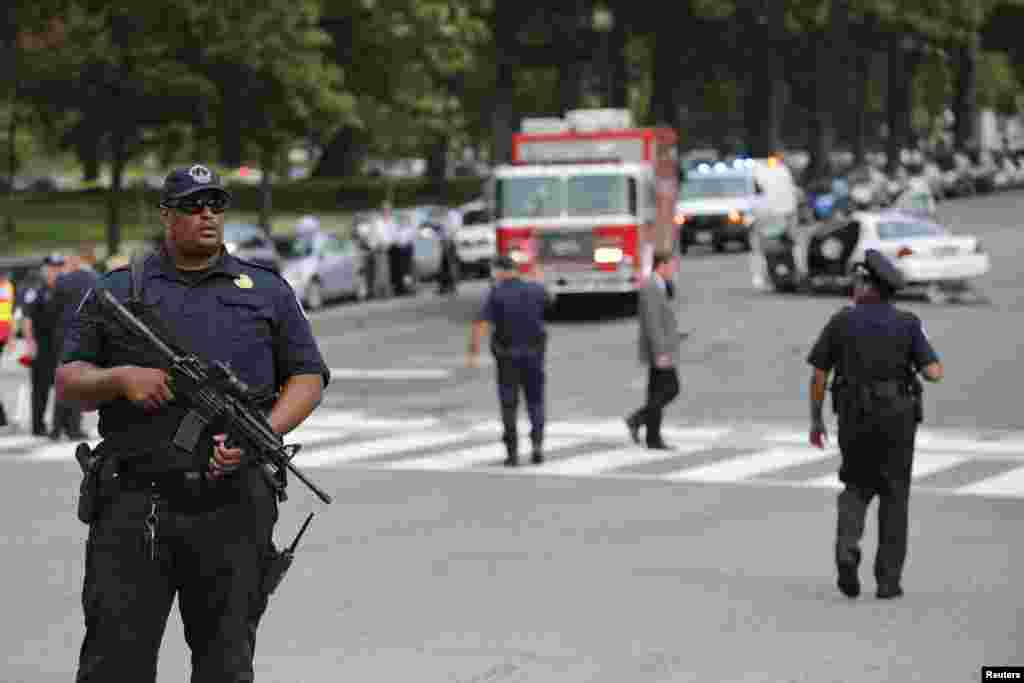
(277, 567)
(89, 490)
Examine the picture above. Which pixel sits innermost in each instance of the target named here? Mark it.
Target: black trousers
(212, 552)
(662, 389)
(877, 458)
(3, 414)
(526, 372)
(44, 370)
(400, 264)
(892, 529)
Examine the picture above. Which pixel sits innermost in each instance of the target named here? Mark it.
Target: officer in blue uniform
(877, 353)
(515, 309)
(197, 526)
(71, 286)
(42, 317)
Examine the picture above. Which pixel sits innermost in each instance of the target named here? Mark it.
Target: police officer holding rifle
(181, 495)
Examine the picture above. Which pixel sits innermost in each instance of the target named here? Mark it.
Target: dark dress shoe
(537, 458)
(54, 436)
(660, 446)
(634, 430)
(888, 592)
(849, 584)
(511, 461)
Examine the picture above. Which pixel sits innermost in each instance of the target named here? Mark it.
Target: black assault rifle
(217, 396)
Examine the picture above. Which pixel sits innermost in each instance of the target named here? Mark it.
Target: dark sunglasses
(217, 203)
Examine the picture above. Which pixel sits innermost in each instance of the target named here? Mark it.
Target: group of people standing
(390, 243)
(48, 302)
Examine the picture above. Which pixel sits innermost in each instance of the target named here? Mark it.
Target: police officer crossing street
(514, 309)
(876, 353)
(172, 523)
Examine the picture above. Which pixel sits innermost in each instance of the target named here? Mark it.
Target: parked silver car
(250, 243)
(320, 267)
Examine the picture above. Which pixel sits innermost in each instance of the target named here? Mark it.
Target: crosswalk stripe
(750, 465)
(610, 429)
(603, 461)
(1009, 484)
(365, 450)
(358, 420)
(13, 442)
(924, 465)
(930, 441)
(476, 455)
(57, 451)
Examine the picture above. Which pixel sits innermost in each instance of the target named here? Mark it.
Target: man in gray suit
(659, 350)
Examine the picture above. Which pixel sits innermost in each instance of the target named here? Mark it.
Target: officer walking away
(172, 523)
(77, 279)
(876, 352)
(41, 337)
(658, 349)
(6, 324)
(514, 309)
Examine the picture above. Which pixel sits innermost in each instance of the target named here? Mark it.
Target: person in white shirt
(449, 276)
(401, 257)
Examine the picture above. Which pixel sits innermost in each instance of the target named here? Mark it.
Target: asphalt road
(436, 565)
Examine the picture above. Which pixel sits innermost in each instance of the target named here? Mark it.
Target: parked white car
(475, 242)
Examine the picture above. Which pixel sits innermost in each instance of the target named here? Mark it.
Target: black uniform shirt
(515, 308)
(237, 312)
(872, 342)
(41, 308)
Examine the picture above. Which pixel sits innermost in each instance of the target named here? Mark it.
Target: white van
(721, 203)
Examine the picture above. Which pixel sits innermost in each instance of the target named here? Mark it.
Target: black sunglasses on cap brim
(217, 203)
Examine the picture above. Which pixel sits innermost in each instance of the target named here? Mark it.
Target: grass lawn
(50, 222)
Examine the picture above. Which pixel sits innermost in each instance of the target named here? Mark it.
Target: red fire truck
(588, 199)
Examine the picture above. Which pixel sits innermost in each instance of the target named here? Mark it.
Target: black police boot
(538, 454)
(511, 460)
(888, 591)
(848, 583)
(633, 425)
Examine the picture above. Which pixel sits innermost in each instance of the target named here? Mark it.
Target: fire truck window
(529, 197)
(591, 195)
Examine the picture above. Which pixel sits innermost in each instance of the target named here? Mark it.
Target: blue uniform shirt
(515, 309)
(237, 312)
(69, 291)
(872, 341)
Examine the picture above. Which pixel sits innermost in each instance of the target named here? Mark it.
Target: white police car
(931, 257)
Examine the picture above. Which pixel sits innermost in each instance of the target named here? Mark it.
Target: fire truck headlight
(519, 256)
(607, 255)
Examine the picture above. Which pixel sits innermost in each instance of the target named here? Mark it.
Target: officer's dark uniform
(515, 310)
(875, 351)
(40, 306)
(68, 293)
(213, 538)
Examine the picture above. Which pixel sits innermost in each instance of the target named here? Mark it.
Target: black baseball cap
(881, 270)
(187, 180)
